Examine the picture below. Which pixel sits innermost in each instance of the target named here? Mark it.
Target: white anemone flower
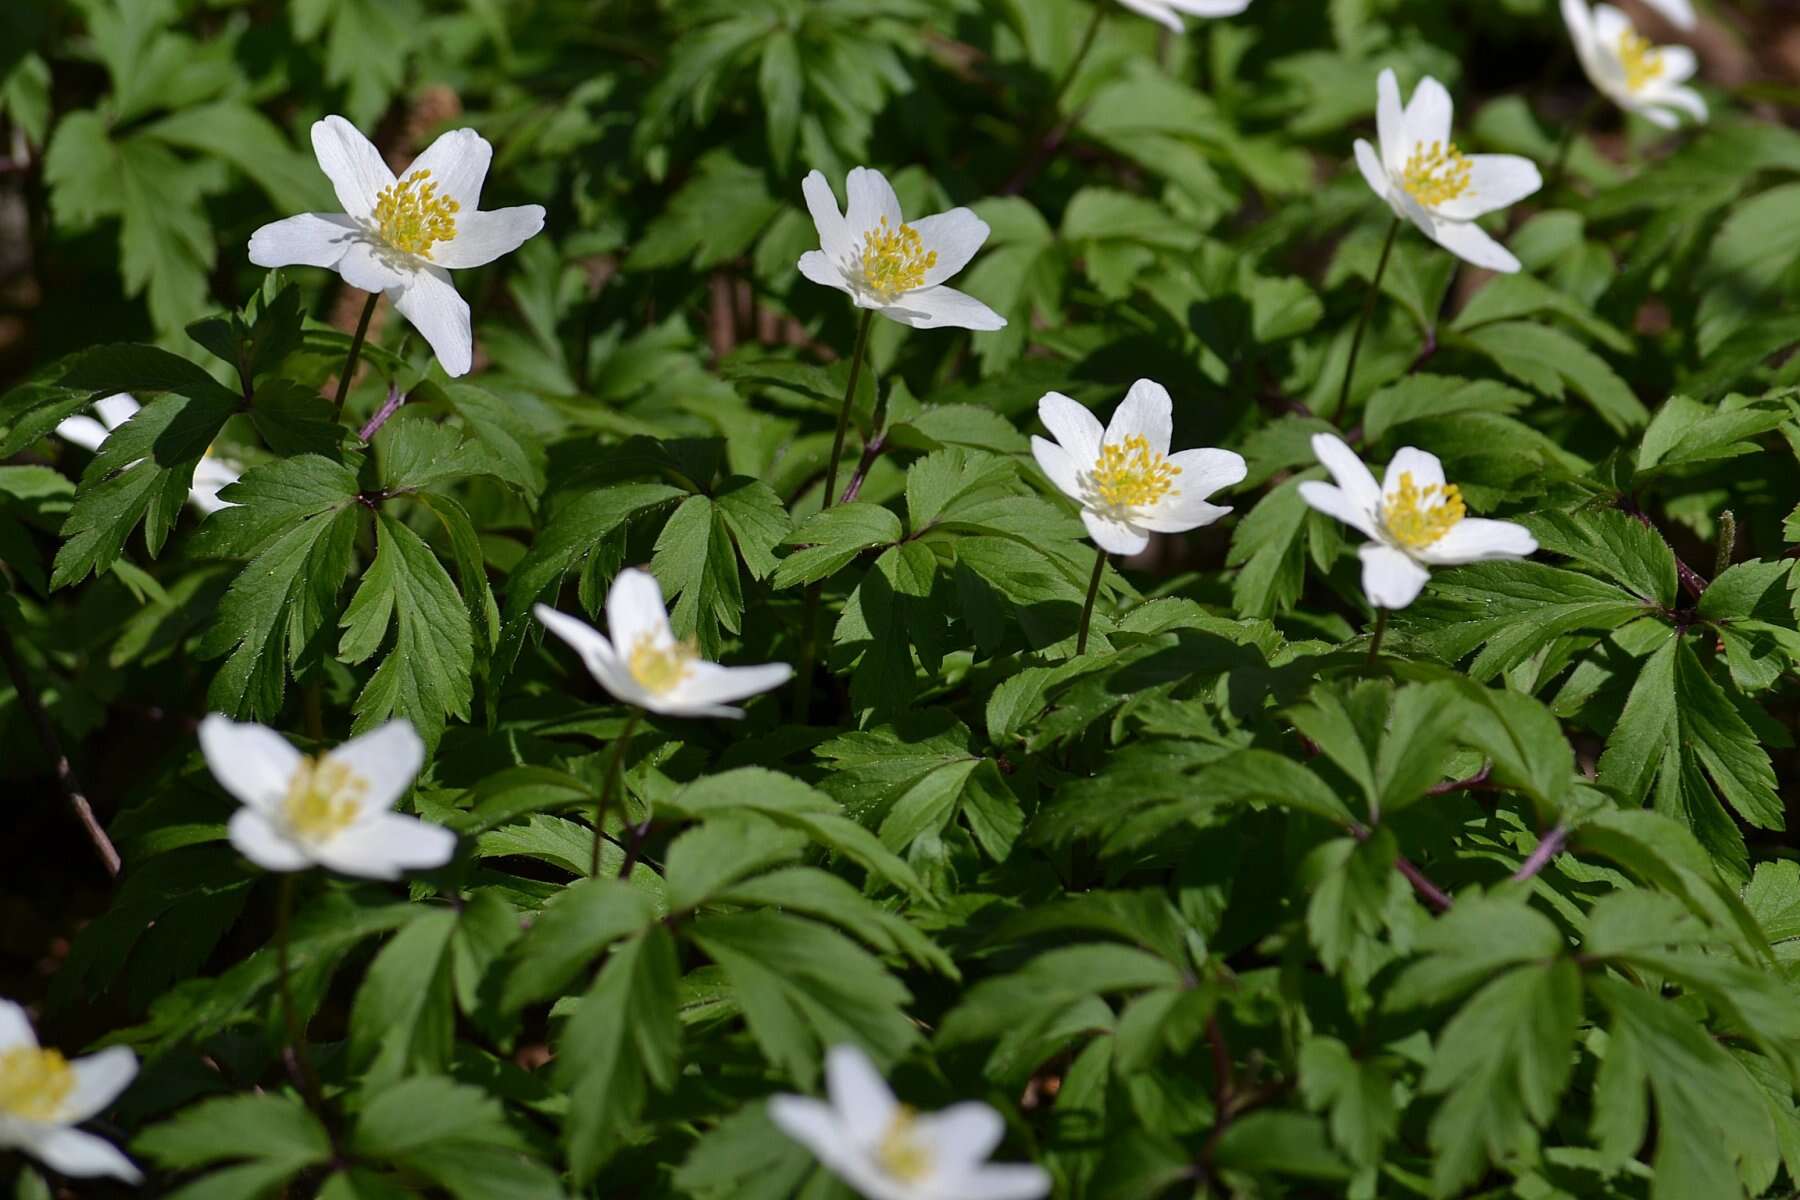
(334, 811)
(1414, 520)
(889, 266)
(1678, 12)
(1126, 481)
(43, 1096)
(1168, 12)
(1427, 180)
(645, 665)
(887, 1151)
(404, 236)
(211, 474)
(1628, 70)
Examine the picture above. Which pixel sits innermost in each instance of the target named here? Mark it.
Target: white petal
(1580, 21)
(1390, 578)
(819, 268)
(15, 1026)
(1495, 181)
(81, 1155)
(1075, 429)
(481, 237)
(387, 846)
(1156, 10)
(940, 306)
(711, 684)
(812, 1123)
(1469, 242)
(1146, 410)
(1422, 465)
(1373, 173)
(1390, 121)
(1113, 536)
(371, 267)
(99, 1078)
(1428, 114)
(116, 409)
(635, 611)
(1681, 12)
(1206, 470)
(871, 198)
(597, 654)
(1475, 539)
(955, 236)
(1662, 118)
(211, 476)
(1333, 502)
(352, 163)
(430, 302)
(387, 758)
(1178, 514)
(1347, 471)
(256, 837)
(1211, 8)
(962, 1136)
(1686, 98)
(1610, 25)
(1678, 65)
(308, 240)
(82, 431)
(1056, 464)
(1005, 1181)
(862, 1098)
(835, 238)
(458, 162)
(253, 763)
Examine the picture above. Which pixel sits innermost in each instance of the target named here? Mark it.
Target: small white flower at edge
(1414, 520)
(1427, 180)
(43, 1096)
(333, 811)
(1168, 12)
(404, 236)
(886, 1151)
(1126, 481)
(211, 475)
(1678, 12)
(1628, 70)
(887, 265)
(645, 665)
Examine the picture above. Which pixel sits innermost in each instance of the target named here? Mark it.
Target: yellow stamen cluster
(324, 797)
(894, 261)
(34, 1084)
(1410, 517)
(413, 217)
(660, 668)
(900, 1152)
(1130, 474)
(1641, 62)
(1436, 172)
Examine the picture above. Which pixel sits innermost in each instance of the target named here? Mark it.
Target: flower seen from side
(644, 664)
(43, 1096)
(1425, 179)
(1169, 12)
(211, 474)
(1414, 520)
(1628, 70)
(1124, 478)
(887, 1151)
(885, 264)
(334, 810)
(403, 236)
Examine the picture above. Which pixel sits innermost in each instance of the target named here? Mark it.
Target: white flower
(894, 268)
(1632, 73)
(1415, 519)
(1169, 11)
(43, 1096)
(210, 474)
(1679, 12)
(1126, 481)
(1426, 179)
(403, 236)
(645, 665)
(334, 810)
(887, 1151)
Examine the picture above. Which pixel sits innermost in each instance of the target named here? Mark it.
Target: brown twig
(1548, 847)
(390, 406)
(1476, 782)
(871, 451)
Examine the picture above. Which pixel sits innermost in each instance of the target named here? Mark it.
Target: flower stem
(1362, 322)
(614, 769)
(837, 445)
(1081, 52)
(298, 1062)
(1045, 139)
(1381, 615)
(356, 345)
(1087, 608)
(1563, 147)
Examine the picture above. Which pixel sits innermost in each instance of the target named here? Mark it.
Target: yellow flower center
(1435, 173)
(1413, 520)
(894, 261)
(1642, 62)
(900, 1152)
(1130, 474)
(34, 1084)
(413, 217)
(660, 668)
(324, 797)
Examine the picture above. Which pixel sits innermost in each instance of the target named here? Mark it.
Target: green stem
(1381, 618)
(614, 770)
(1087, 608)
(1081, 53)
(1727, 542)
(1362, 323)
(356, 345)
(1570, 133)
(843, 425)
(298, 1061)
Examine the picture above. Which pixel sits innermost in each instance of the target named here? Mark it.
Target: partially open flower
(1628, 70)
(211, 474)
(645, 665)
(1168, 12)
(43, 1096)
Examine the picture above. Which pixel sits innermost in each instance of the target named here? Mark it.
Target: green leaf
(267, 1126)
(1552, 362)
(830, 539)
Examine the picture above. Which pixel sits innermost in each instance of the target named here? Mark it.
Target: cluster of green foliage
(1221, 906)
